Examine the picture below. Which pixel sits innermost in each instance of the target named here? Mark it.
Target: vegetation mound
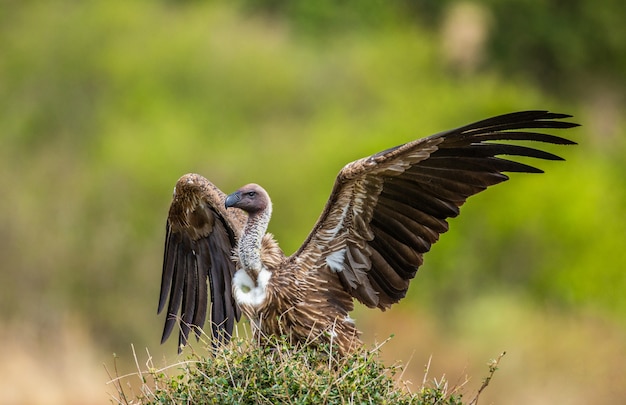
(276, 372)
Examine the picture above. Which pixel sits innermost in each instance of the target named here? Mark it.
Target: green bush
(275, 372)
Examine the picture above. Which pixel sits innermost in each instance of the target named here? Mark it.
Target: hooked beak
(232, 199)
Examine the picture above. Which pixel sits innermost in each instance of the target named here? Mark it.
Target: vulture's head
(251, 198)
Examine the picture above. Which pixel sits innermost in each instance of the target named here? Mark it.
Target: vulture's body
(384, 212)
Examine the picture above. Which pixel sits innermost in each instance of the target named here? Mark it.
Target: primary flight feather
(384, 212)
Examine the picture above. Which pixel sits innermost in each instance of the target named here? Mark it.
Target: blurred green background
(104, 104)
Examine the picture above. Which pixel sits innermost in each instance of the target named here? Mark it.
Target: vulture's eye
(251, 193)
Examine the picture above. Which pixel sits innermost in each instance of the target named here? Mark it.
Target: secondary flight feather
(384, 212)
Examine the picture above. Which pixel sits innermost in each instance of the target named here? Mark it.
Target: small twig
(426, 371)
(132, 347)
(493, 366)
(459, 385)
(230, 373)
(407, 366)
(381, 344)
(156, 371)
(116, 381)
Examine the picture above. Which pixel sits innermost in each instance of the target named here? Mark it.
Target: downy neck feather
(250, 243)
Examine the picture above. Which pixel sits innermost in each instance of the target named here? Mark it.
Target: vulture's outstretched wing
(385, 211)
(200, 238)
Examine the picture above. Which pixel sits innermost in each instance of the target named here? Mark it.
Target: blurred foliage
(106, 103)
(565, 46)
(569, 46)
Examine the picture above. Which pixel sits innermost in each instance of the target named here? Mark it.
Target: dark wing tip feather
(167, 272)
(529, 118)
(170, 322)
(515, 136)
(533, 119)
(486, 150)
(223, 313)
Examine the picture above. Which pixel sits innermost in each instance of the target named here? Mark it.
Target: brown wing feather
(200, 237)
(388, 209)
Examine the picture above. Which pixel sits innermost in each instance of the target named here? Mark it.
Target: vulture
(384, 212)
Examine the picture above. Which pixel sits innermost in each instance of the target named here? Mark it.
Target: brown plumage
(384, 212)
